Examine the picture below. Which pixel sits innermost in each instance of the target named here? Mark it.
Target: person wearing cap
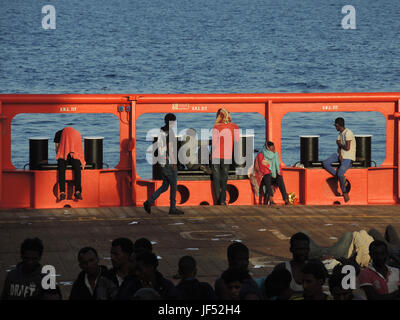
(346, 154)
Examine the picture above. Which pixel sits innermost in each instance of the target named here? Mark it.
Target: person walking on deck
(167, 149)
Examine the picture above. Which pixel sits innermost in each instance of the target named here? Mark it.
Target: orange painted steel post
(268, 106)
(397, 116)
(1, 146)
(132, 136)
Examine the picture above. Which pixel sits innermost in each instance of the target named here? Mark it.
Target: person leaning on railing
(69, 150)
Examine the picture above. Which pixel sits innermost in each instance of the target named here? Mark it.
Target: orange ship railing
(121, 186)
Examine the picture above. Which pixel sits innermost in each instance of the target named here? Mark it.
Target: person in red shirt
(269, 170)
(379, 280)
(224, 134)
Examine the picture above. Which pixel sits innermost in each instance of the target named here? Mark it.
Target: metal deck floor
(203, 232)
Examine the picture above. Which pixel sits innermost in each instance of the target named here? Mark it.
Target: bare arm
(342, 146)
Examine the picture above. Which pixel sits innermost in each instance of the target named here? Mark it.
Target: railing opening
(197, 121)
(27, 125)
(295, 124)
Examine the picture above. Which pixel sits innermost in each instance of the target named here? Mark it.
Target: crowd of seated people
(306, 276)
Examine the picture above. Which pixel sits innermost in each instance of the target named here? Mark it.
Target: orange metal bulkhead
(121, 186)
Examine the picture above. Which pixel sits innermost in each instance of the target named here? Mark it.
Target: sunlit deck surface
(203, 232)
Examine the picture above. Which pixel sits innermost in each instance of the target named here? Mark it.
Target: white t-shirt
(347, 135)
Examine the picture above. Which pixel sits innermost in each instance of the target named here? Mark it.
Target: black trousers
(268, 181)
(220, 174)
(76, 167)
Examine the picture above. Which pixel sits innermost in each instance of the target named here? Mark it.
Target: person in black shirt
(167, 148)
(92, 283)
(189, 287)
(150, 277)
(25, 281)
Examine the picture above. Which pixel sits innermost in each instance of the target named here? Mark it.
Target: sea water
(205, 46)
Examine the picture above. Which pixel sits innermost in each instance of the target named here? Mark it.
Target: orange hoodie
(71, 142)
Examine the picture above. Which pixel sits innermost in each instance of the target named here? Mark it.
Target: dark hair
(235, 274)
(249, 287)
(187, 264)
(86, 250)
(269, 144)
(34, 244)
(142, 244)
(125, 244)
(235, 248)
(377, 243)
(316, 268)
(277, 282)
(299, 236)
(219, 110)
(335, 280)
(167, 119)
(339, 121)
(148, 259)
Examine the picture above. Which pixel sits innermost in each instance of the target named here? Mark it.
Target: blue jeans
(343, 167)
(170, 177)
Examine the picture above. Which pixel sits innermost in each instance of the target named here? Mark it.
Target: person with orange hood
(69, 150)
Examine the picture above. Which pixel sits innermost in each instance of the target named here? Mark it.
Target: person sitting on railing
(69, 150)
(346, 154)
(267, 170)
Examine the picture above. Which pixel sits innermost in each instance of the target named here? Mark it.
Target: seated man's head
(146, 265)
(249, 291)
(300, 247)
(121, 249)
(31, 253)
(146, 294)
(378, 252)
(142, 245)
(187, 267)
(233, 278)
(314, 276)
(238, 255)
(88, 261)
(277, 284)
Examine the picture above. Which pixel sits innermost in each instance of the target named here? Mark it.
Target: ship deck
(203, 232)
